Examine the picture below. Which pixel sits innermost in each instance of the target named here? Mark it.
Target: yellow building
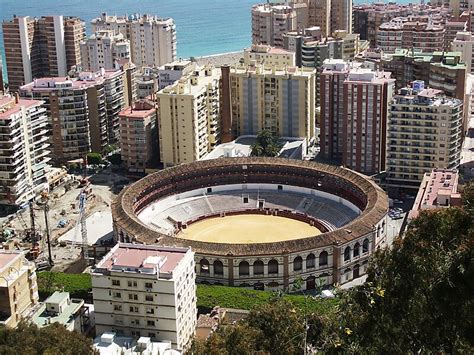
(263, 54)
(188, 117)
(18, 288)
(282, 101)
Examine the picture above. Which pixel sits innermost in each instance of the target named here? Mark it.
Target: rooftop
(42, 317)
(7, 257)
(438, 188)
(139, 110)
(10, 106)
(112, 344)
(141, 258)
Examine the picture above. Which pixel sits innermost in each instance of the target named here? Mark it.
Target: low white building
(112, 344)
(146, 291)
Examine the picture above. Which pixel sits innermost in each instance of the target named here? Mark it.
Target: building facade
(25, 150)
(82, 111)
(424, 132)
(48, 46)
(18, 287)
(146, 291)
(270, 22)
(269, 56)
(152, 39)
(103, 49)
(188, 116)
(354, 121)
(282, 101)
(138, 135)
(464, 44)
(341, 15)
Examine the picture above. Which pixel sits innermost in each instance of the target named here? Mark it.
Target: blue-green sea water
(203, 27)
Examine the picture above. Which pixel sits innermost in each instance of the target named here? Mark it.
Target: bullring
(346, 209)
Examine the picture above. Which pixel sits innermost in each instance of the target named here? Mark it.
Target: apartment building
(169, 73)
(438, 189)
(82, 111)
(420, 32)
(319, 14)
(2, 85)
(188, 116)
(24, 152)
(103, 49)
(341, 15)
(152, 39)
(48, 46)
(424, 132)
(369, 17)
(441, 70)
(146, 291)
(293, 41)
(453, 26)
(269, 56)
(282, 101)
(18, 287)
(464, 44)
(138, 136)
(270, 22)
(354, 109)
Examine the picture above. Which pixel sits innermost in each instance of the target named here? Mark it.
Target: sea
(203, 27)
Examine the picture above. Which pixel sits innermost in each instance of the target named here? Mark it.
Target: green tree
(94, 158)
(54, 339)
(266, 145)
(419, 295)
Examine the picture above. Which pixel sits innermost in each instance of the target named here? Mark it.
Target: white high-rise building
(152, 39)
(146, 291)
(24, 152)
(103, 49)
(464, 43)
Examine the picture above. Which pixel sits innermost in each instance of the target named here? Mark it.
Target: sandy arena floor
(248, 229)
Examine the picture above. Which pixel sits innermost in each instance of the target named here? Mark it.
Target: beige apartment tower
(152, 39)
(320, 15)
(18, 287)
(280, 100)
(188, 116)
(34, 48)
(424, 133)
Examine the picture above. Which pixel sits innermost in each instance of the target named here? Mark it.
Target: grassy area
(79, 286)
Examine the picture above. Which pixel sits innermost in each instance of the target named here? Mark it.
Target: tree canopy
(418, 298)
(266, 145)
(54, 339)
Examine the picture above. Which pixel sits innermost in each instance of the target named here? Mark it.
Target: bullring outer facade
(259, 222)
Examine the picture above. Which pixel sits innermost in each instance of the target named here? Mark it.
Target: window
(347, 254)
(117, 295)
(355, 253)
(323, 258)
(204, 266)
(244, 268)
(310, 261)
(117, 307)
(151, 335)
(150, 311)
(218, 268)
(273, 267)
(365, 246)
(150, 322)
(148, 285)
(133, 309)
(132, 284)
(133, 296)
(115, 282)
(149, 298)
(258, 267)
(298, 263)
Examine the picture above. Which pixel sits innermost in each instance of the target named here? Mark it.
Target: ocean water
(203, 27)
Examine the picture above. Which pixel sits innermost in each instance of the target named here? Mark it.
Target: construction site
(66, 228)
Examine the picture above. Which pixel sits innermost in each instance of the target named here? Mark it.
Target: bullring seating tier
(188, 209)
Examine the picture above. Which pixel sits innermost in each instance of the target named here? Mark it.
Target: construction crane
(81, 223)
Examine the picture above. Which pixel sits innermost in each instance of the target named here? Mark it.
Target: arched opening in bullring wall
(310, 283)
(258, 267)
(218, 268)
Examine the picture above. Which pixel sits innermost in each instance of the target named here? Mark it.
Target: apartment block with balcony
(269, 56)
(82, 111)
(39, 47)
(464, 44)
(138, 136)
(152, 39)
(282, 101)
(103, 49)
(24, 150)
(18, 287)
(189, 117)
(424, 132)
(270, 22)
(146, 291)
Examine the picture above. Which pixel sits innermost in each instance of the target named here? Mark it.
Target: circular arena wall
(337, 255)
